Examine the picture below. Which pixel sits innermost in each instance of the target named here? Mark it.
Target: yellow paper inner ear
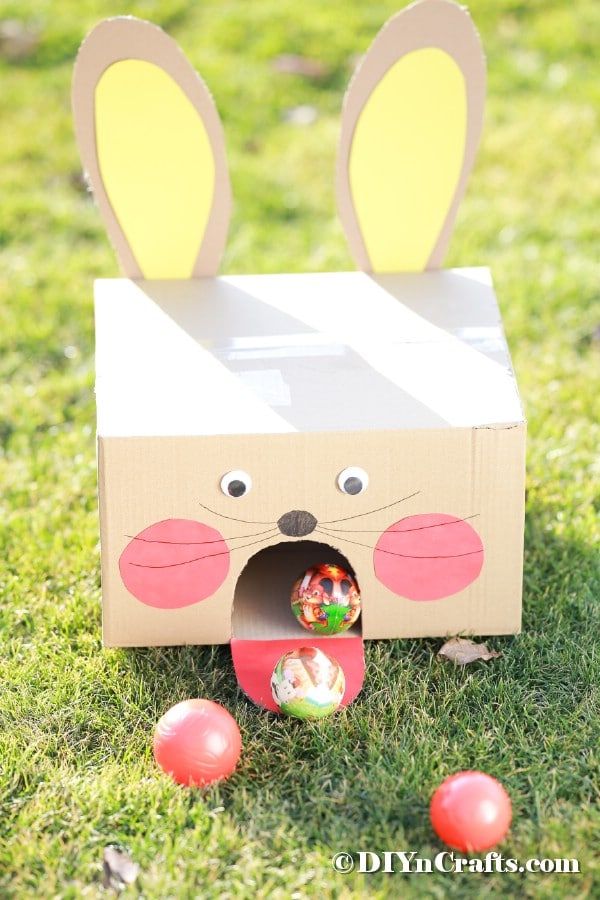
(157, 166)
(406, 157)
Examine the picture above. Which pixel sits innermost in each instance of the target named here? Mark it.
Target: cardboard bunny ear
(151, 142)
(411, 123)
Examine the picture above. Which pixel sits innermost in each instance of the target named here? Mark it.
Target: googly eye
(236, 483)
(353, 480)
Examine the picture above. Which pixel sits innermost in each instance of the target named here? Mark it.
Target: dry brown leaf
(17, 40)
(462, 651)
(119, 869)
(293, 64)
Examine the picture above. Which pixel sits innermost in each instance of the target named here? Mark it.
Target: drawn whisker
(371, 511)
(185, 562)
(196, 543)
(400, 530)
(232, 518)
(403, 555)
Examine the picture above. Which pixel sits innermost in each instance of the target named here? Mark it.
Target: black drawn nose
(297, 523)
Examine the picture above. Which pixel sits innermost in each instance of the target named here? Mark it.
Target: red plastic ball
(197, 742)
(471, 811)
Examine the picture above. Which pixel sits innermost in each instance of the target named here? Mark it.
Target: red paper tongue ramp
(254, 661)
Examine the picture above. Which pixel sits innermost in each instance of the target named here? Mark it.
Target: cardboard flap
(151, 142)
(254, 661)
(411, 123)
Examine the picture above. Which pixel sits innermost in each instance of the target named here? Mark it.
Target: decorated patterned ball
(326, 599)
(307, 683)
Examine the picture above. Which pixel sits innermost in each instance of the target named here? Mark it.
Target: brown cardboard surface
(295, 353)
(294, 378)
(463, 472)
(431, 23)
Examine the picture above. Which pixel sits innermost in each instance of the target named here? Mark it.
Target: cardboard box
(234, 411)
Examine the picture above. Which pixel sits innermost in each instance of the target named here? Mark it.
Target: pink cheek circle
(428, 557)
(174, 563)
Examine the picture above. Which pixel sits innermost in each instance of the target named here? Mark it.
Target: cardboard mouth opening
(261, 601)
(264, 626)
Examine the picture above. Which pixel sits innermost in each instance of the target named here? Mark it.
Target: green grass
(76, 720)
